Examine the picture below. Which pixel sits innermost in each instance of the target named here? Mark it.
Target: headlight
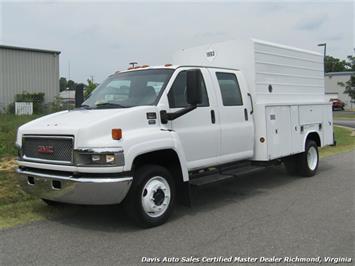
(19, 150)
(99, 157)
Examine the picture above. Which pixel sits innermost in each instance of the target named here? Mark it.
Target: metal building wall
(332, 86)
(27, 70)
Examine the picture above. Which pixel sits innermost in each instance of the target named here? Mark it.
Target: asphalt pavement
(267, 213)
(345, 123)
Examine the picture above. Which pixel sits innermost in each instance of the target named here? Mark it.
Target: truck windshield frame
(130, 89)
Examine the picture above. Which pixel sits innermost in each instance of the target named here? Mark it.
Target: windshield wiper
(110, 105)
(85, 106)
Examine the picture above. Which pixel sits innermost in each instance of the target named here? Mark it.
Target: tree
(333, 64)
(350, 84)
(351, 63)
(71, 84)
(63, 84)
(90, 87)
(349, 87)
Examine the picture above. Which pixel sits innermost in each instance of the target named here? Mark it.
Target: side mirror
(193, 87)
(79, 95)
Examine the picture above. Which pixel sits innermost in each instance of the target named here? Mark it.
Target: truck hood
(88, 125)
(71, 120)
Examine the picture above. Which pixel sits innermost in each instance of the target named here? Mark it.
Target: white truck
(145, 135)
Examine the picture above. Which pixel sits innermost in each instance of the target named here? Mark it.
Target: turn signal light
(116, 133)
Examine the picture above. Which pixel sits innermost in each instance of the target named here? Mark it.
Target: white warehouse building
(334, 91)
(27, 70)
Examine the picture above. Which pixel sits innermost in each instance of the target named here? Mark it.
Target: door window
(177, 93)
(230, 90)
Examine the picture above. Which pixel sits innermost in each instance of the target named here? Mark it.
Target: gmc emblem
(45, 149)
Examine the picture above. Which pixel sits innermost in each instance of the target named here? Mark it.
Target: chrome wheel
(156, 196)
(312, 158)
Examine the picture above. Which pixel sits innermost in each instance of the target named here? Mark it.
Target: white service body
(297, 98)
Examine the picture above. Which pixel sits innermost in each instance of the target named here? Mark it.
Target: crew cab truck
(145, 135)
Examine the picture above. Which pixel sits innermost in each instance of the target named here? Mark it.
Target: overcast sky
(99, 38)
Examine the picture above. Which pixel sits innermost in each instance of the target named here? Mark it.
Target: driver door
(197, 130)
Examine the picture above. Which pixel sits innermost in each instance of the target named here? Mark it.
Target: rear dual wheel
(306, 163)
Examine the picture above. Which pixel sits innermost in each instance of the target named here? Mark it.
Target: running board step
(244, 170)
(225, 175)
(201, 181)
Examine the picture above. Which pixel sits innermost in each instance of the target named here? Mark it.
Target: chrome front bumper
(91, 191)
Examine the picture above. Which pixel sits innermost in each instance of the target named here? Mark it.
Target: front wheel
(151, 198)
(309, 159)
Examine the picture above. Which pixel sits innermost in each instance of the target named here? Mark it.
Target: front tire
(151, 198)
(309, 159)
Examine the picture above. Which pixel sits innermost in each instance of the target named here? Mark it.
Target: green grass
(344, 115)
(26, 211)
(345, 142)
(8, 130)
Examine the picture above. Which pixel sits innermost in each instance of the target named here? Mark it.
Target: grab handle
(251, 101)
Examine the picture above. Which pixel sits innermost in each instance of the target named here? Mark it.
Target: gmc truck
(147, 134)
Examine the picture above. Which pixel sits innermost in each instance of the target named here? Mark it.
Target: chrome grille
(50, 149)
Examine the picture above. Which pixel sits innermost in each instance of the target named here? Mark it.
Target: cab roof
(168, 66)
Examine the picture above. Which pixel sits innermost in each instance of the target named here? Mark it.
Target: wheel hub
(312, 158)
(156, 196)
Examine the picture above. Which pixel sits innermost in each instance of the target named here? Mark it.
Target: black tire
(292, 164)
(307, 169)
(133, 203)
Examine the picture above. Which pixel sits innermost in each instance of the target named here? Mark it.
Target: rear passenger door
(236, 123)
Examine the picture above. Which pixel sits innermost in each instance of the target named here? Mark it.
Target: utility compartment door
(297, 137)
(278, 125)
(328, 137)
(311, 114)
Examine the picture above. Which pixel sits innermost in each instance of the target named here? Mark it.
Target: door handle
(246, 114)
(213, 117)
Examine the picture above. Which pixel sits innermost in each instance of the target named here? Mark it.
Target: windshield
(128, 89)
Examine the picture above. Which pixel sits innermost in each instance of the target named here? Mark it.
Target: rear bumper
(61, 188)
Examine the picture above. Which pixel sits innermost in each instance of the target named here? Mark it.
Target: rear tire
(151, 198)
(309, 159)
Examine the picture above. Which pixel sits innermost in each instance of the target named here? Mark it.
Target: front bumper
(68, 189)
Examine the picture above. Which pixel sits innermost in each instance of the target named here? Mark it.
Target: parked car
(145, 135)
(337, 104)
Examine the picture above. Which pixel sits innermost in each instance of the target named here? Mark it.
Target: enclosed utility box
(286, 86)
